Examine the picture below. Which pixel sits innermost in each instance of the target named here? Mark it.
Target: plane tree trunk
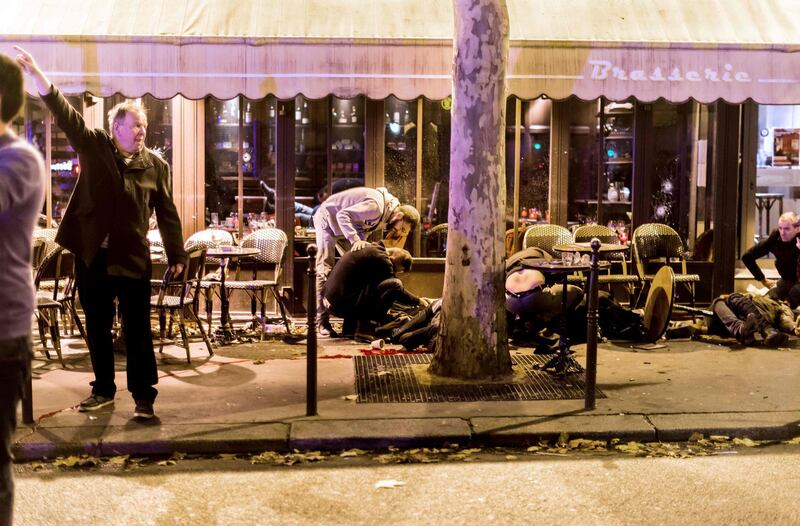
(472, 341)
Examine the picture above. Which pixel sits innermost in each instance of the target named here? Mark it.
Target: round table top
(586, 248)
(554, 266)
(231, 252)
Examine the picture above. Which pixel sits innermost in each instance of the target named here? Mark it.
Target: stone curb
(375, 434)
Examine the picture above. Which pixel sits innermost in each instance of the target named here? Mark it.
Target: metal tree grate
(391, 378)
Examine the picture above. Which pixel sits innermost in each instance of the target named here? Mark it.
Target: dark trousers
(15, 369)
(786, 291)
(731, 312)
(97, 292)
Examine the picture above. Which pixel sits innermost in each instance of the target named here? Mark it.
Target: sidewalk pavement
(251, 398)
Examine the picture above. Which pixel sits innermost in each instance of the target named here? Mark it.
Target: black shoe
(747, 332)
(144, 410)
(95, 402)
(775, 338)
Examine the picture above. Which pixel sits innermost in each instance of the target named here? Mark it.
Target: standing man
(22, 181)
(105, 226)
(353, 214)
(782, 243)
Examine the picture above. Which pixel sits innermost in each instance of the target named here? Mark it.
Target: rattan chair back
(546, 237)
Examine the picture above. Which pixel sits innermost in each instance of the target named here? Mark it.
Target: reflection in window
(311, 156)
(534, 172)
(435, 173)
(400, 154)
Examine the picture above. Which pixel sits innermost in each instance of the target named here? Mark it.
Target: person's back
(22, 181)
(355, 274)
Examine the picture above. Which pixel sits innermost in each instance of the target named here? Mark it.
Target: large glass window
(777, 165)
(435, 175)
(400, 148)
(257, 159)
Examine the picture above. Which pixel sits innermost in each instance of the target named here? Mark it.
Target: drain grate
(392, 378)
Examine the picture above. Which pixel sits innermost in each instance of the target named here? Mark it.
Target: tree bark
(472, 340)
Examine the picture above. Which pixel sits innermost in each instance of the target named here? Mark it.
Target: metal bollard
(311, 339)
(591, 330)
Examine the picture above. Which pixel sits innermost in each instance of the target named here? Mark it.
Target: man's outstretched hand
(358, 245)
(31, 68)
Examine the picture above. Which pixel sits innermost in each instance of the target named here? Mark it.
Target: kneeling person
(363, 285)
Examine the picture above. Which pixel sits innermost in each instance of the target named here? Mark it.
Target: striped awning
(673, 49)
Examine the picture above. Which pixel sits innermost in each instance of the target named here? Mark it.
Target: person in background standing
(22, 182)
(105, 226)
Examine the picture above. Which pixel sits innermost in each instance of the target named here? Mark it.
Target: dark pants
(15, 369)
(730, 313)
(97, 291)
(371, 304)
(786, 291)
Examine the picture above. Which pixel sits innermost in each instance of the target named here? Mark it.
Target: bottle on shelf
(405, 117)
(165, 115)
(304, 118)
(271, 111)
(342, 117)
(297, 113)
(248, 116)
(353, 117)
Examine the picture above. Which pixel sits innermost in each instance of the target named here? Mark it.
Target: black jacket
(786, 254)
(108, 201)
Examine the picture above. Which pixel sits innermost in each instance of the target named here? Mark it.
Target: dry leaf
(794, 441)
(745, 442)
(168, 462)
(696, 437)
(389, 483)
(533, 448)
(719, 438)
(352, 397)
(352, 452)
(120, 460)
(258, 362)
(511, 457)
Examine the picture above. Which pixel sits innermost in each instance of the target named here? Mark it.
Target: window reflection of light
(394, 127)
(611, 153)
(537, 146)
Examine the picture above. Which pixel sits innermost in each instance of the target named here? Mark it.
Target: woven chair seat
(253, 284)
(207, 284)
(169, 301)
(679, 278)
(47, 302)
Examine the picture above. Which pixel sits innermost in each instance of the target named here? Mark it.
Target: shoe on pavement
(775, 338)
(325, 330)
(95, 402)
(144, 410)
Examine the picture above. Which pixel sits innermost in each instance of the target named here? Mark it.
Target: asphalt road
(734, 486)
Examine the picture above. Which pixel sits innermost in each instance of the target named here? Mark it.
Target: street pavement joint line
(655, 428)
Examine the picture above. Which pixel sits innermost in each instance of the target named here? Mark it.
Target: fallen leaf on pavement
(352, 397)
(745, 442)
(389, 483)
(352, 452)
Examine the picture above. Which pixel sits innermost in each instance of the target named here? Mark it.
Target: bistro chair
(436, 241)
(656, 242)
(546, 237)
(48, 308)
(180, 294)
(271, 243)
(48, 235)
(585, 234)
(209, 283)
